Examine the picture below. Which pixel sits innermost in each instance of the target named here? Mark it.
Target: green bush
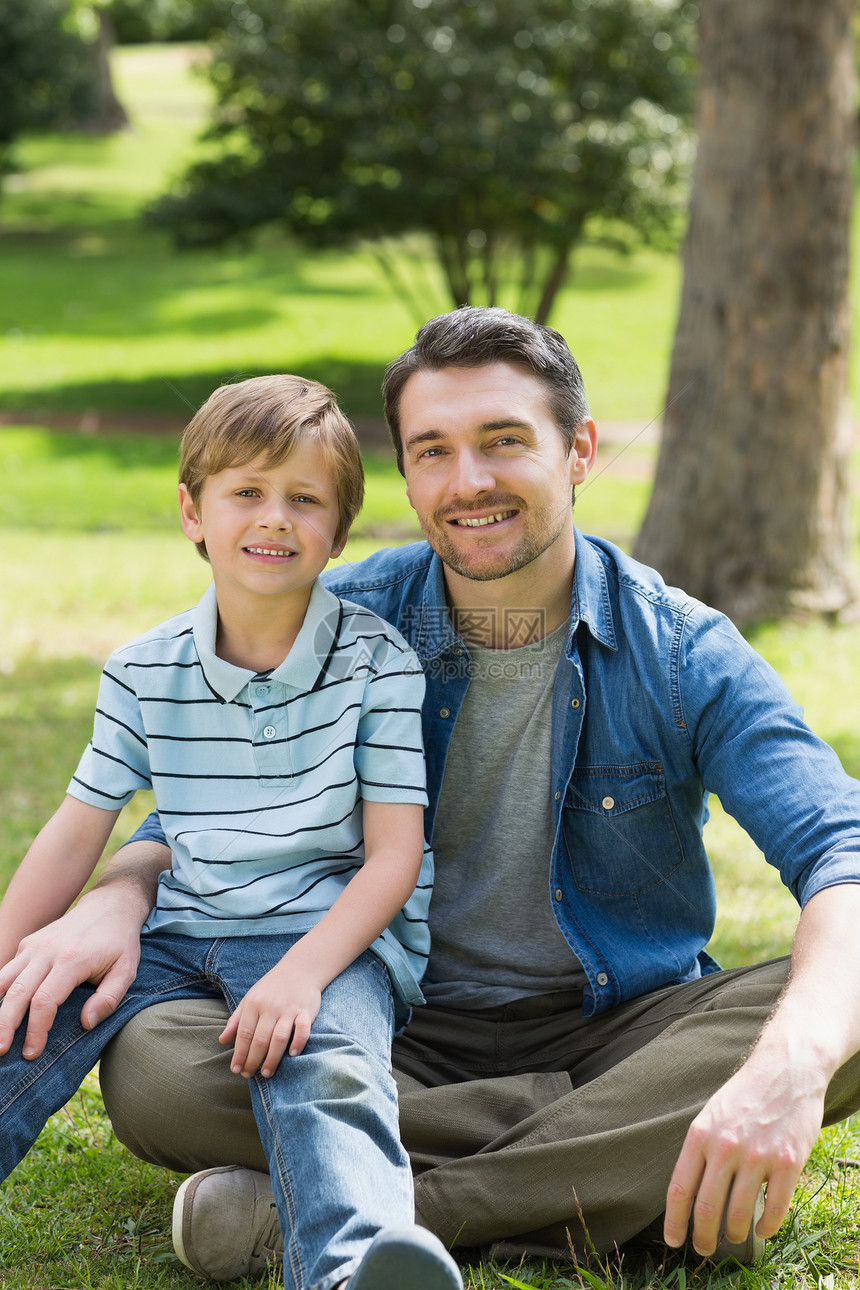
(137, 22)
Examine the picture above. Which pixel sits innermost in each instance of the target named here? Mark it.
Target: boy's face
(268, 531)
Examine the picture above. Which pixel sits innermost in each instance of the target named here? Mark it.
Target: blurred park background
(318, 225)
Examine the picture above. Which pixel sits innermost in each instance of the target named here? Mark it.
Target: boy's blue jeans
(327, 1118)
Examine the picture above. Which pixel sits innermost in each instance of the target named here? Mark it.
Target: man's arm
(760, 1127)
(97, 941)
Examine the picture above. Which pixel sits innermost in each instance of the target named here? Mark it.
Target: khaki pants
(515, 1118)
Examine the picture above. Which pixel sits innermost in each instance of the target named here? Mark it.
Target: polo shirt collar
(303, 667)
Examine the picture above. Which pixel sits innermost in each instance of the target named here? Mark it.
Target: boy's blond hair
(266, 416)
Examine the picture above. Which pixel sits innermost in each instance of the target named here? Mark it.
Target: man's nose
(472, 474)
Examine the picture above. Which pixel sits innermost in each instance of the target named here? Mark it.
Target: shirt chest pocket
(618, 827)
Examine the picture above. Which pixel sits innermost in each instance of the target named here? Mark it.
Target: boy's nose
(277, 514)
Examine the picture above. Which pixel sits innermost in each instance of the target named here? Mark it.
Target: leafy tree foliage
(45, 70)
(139, 21)
(499, 127)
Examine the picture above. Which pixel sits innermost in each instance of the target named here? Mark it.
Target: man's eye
(430, 452)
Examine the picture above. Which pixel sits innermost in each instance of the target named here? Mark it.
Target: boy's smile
(269, 530)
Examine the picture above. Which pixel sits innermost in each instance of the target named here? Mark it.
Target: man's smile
(473, 522)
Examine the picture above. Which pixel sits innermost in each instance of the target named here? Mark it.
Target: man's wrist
(133, 892)
(793, 1041)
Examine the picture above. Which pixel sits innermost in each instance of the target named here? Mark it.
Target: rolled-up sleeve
(786, 787)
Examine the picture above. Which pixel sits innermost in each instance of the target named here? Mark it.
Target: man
(581, 1068)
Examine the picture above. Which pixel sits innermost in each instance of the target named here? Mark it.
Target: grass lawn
(103, 325)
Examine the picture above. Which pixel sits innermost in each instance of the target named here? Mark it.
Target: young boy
(280, 730)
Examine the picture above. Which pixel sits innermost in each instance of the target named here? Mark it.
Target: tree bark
(109, 115)
(750, 507)
(553, 282)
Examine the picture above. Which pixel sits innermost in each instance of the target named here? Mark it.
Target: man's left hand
(760, 1127)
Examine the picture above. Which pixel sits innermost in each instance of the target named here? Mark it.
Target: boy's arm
(51, 875)
(277, 1013)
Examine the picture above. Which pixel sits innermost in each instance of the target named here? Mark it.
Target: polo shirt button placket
(271, 751)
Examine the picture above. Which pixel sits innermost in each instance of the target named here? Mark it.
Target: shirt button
(608, 803)
(602, 978)
(261, 690)
(558, 797)
(444, 712)
(574, 703)
(558, 893)
(269, 732)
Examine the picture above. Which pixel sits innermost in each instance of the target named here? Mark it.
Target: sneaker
(401, 1257)
(225, 1224)
(748, 1251)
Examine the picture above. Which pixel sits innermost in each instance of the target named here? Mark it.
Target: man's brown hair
(477, 335)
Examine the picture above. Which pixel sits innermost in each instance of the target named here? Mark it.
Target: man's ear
(584, 450)
(189, 518)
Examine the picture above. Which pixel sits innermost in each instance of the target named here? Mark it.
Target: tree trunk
(109, 114)
(750, 508)
(553, 282)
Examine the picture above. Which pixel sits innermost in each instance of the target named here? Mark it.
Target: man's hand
(276, 1014)
(97, 941)
(761, 1126)
(758, 1128)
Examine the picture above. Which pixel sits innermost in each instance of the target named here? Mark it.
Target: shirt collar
(430, 631)
(303, 667)
(590, 602)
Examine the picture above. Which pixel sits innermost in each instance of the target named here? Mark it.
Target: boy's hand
(275, 1015)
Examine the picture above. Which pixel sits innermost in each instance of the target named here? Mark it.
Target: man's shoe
(748, 1251)
(225, 1224)
(406, 1258)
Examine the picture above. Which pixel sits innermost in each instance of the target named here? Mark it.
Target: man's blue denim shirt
(658, 700)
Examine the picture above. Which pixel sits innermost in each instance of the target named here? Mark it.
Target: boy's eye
(246, 492)
(303, 497)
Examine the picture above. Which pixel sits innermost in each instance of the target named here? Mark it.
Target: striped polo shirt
(259, 778)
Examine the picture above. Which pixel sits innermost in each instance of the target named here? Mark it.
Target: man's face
(487, 470)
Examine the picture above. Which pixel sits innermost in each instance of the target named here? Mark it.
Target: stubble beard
(543, 528)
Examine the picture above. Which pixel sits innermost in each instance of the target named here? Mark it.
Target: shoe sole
(176, 1224)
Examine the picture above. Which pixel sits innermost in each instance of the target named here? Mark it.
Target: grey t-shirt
(494, 937)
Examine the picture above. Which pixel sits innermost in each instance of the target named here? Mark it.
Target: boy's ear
(188, 516)
(338, 547)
